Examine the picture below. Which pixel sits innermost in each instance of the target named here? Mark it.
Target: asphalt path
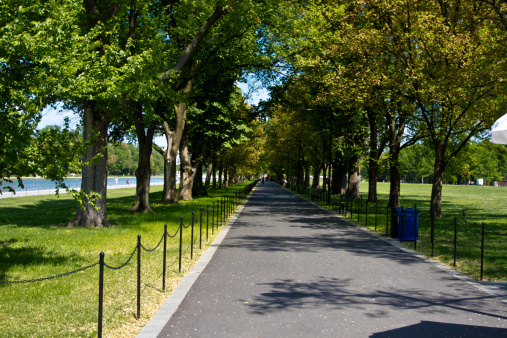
(287, 268)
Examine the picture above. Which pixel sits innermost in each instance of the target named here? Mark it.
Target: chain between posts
(50, 277)
(156, 247)
(224, 209)
(124, 264)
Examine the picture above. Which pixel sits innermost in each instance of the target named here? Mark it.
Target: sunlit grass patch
(31, 247)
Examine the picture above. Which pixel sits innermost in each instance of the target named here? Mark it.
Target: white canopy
(499, 131)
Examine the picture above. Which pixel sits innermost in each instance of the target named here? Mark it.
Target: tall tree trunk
(232, 177)
(438, 179)
(372, 180)
(214, 172)
(354, 177)
(209, 173)
(373, 160)
(198, 185)
(307, 175)
(170, 194)
(324, 177)
(186, 169)
(317, 169)
(94, 179)
(220, 169)
(143, 171)
(395, 133)
(226, 173)
(339, 186)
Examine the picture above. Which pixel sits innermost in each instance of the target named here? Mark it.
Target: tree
(449, 54)
(26, 85)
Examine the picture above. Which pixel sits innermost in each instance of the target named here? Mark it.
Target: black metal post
(164, 267)
(101, 293)
(387, 221)
(366, 213)
(181, 242)
(213, 219)
(415, 228)
(400, 225)
(138, 276)
(359, 207)
(455, 238)
(376, 209)
(200, 230)
(432, 215)
(482, 251)
(207, 221)
(192, 238)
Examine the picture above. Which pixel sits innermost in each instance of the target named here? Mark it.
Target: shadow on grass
(44, 211)
(28, 255)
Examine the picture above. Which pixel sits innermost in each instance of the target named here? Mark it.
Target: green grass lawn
(484, 203)
(31, 248)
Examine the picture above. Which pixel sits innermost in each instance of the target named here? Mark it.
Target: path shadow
(337, 294)
(435, 329)
(360, 245)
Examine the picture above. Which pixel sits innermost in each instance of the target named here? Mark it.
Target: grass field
(484, 203)
(31, 248)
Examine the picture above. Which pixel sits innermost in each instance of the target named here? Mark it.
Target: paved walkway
(287, 268)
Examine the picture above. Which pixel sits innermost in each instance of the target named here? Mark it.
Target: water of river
(40, 186)
(31, 184)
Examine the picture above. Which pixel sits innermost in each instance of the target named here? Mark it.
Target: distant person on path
(262, 179)
(116, 180)
(127, 181)
(284, 182)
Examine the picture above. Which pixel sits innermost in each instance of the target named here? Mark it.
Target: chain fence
(224, 208)
(458, 232)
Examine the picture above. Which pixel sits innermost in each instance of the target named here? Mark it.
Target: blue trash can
(408, 224)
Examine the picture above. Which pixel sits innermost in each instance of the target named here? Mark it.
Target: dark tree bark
(307, 175)
(438, 177)
(143, 171)
(317, 169)
(94, 177)
(214, 172)
(170, 195)
(396, 131)
(225, 181)
(209, 173)
(187, 170)
(354, 177)
(376, 149)
(190, 169)
(220, 170)
(339, 186)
